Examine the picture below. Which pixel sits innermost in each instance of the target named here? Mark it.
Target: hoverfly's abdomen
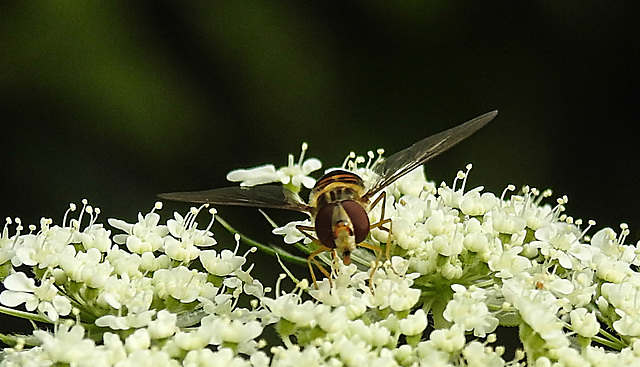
(336, 186)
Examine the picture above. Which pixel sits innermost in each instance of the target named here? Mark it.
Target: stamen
(347, 160)
(304, 149)
(89, 210)
(97, 212)
(280, 277)
(72, 208)
(18, 224)
(250, 251)
(509, 187)
(464, 180)
(359, 160)
(370, 161)
(559, 208)
(459, 176)
(379, 158)
(213, 212)
(545, 194)
(5, 230)
(623, 234)
(591, 223)
(190, 218)
(156, 206)
(85, 202)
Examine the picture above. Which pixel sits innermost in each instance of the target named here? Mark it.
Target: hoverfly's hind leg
(312, 257)
(380, 224)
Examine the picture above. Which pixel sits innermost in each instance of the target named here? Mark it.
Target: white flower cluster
(460, 265)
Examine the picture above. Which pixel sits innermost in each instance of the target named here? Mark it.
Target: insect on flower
(339, 201)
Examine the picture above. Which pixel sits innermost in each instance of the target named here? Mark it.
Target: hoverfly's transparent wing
(405, 161)
(264, 196)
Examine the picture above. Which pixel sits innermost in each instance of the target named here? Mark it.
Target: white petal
(12, 299)
(19, 282)
(310, 165)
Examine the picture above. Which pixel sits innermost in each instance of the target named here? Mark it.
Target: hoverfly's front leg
(312, 257)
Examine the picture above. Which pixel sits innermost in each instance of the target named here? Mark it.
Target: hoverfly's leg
(378, 252)
(305, 231)
(380, 224)
(312, 257)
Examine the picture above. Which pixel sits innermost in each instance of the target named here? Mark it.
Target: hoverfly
(339, 201)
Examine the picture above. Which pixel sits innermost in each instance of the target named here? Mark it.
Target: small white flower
(130, 321)
(124, 262)
(139, 340)
(474, 204)
(136, 294)
(182, 284)
(505, 222)
(448, 245)
(144, 236)
(611, 270)
(183, 246)
(221, 265)
(413, 183)
(208, 358)
(449, 340)
(224, 329)
(628, 324)
(254, 176)
(163, 326)
(291, 233)
(477, 354)
(86, 267)
(469, 310)
(193, 339)
(585, 324)
(68, 345)
(414, 324)
(293, 176)
(22, 289)
(409, 234)
(508, 263)
(95, 236)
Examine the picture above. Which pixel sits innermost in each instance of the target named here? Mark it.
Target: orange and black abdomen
(335, 186)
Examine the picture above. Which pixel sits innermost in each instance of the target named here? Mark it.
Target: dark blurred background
(119, 101)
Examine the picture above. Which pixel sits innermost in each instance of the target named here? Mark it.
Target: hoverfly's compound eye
(359, 219)
(324, 225)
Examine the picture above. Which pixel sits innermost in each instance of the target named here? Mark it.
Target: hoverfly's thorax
(336, 186)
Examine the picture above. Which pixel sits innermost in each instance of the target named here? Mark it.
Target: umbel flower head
(458, 263)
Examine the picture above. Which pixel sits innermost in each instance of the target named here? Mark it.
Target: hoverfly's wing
(264, 196)
(405, 161)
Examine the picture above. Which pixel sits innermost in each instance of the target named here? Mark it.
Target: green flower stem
(24, 315)
(610, 340)
(269, 250)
